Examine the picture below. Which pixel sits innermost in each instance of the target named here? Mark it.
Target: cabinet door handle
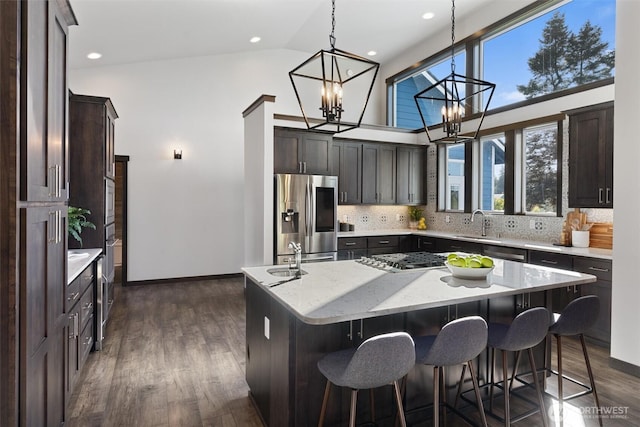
(58, 181)
(350, 243)
(71, 335)
(600, 198)
(73, 296)
(305, 166)
(547, 261)
(608, 195)
(383, 242)
(603, 270)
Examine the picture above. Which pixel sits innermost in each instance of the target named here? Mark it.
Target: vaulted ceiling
(126, 31)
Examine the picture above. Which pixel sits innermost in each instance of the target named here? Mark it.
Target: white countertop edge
(489, 240)
(77, 265)
(263, 279)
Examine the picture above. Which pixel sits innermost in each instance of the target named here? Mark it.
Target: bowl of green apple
(474, 266)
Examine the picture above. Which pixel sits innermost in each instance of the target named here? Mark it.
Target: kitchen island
(291, 324)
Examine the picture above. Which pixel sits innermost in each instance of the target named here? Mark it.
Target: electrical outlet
(532, 224)
(447, 219)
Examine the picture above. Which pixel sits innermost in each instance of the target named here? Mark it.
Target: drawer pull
(603, 270)
(88, 306)
(547, 261)
(350, 243)
(73, 296)
(383, 242)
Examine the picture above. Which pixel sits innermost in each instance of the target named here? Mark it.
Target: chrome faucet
(478, 211)
(297, 249)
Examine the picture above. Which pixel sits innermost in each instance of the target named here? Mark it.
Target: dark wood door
(410, 175)
(386, 174)
(42, 316)
(350, 173)
(378, 173)
(286, 146)
(44, 103)
(369, 174)
(591, 158)
(316, 153)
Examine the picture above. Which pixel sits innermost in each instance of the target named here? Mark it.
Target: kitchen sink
(284, 272)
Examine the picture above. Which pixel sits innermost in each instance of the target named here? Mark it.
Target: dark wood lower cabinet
(42, 316)
(282, 355)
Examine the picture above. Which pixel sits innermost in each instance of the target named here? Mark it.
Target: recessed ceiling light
(94, 55)
(372, 53)
(255, 39)
(428, 15)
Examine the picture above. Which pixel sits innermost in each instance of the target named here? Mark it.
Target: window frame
(514, 203)
(473, 45)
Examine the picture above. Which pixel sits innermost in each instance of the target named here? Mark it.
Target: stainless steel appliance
(405, 261)
(306, 209)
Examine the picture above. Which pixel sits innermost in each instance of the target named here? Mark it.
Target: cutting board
(601, 235)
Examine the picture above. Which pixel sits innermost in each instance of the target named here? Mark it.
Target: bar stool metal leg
(543, 412)
(591, 380)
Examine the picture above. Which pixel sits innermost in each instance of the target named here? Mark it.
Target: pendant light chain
(332, 38)
(453, 36)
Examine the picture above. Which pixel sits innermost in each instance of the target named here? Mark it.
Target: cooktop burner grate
(410, 260)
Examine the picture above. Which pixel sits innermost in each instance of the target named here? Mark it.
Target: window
(492, 170)
(568, 46)
(524, 181)
(540, 184)
(454, 183)
(406, 113)
(542, 50)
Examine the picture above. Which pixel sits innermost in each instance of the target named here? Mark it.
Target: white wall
(186, 216)
(625, 318)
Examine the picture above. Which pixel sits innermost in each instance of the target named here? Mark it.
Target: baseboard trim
(625, 367)
(183, 279)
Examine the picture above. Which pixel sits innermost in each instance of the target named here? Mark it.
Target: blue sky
(522, 42)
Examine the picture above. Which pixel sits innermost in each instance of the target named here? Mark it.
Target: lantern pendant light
(336, 84)
(451, 99)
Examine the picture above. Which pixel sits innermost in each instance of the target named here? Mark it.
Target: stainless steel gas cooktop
(405, 261)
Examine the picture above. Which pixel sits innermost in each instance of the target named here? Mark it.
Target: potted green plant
(77, 220)
(415, 213)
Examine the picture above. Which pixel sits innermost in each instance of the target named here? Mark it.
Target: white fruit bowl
(469, 273)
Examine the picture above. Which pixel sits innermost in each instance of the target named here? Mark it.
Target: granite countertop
(339, 291)
(78, 260)
(489, 240)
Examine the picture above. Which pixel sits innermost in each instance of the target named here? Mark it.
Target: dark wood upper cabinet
(347, 163)
(43, 95)
(410, 172)
(378, 173)
(591, 157)
(302, 152)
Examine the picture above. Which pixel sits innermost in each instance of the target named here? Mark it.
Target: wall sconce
(177, 154)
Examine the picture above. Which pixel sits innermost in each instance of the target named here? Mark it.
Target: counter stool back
(526, 331)
(458, 343)
(378, 361)
(576, 318)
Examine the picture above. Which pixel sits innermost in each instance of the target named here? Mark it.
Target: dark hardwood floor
(174, 355)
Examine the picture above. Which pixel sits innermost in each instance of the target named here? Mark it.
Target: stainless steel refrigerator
(306, 212)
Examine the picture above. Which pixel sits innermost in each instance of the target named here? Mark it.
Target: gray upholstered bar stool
(458, 343)
(378, 361)
(526, 331)
(576, 318)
